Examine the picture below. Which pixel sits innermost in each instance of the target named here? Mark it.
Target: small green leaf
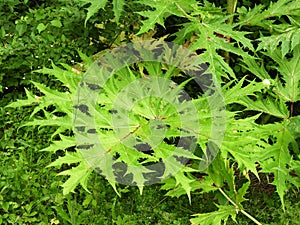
(21, 28)
(2, 31)
(56, 23)
(41, 27)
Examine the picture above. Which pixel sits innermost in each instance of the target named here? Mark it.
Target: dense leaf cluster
(253, 54)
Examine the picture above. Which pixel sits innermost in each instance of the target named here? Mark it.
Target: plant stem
(184, 12)
(231, 7)
(238, 209)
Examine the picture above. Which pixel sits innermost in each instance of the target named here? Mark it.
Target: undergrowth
(253, 54)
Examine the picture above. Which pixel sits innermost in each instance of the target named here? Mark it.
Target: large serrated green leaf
(259, 14)
(78, 175)
(65, 142)
(277, 158)
(30, 101)
(63, 122)
(53, 94)
(118, 6)
(289, 39)
(215, 218)
(162, 9)
(256, 68)
(290, 70)
(68, 158)
(204, 185)
(67, 77)
(235, 93)
(95, 6)
(268, 105)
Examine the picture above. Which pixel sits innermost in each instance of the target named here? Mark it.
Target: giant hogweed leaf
(38, 101)
(162, 9)
(240, 194)
(69, 158)
(277, 158)
(65, 122)
(53, 95)
(259, 15)
(64, 143)
(30, 101)
(230, 47)
(220, 171)
(228, 30)
(269, 105)
(246, 151)
(218, 66)
(181, 183)
(224, 212)
(281, 7)
(61, 100)
(118, 6)
(68, 78)
(237, 92)
(290, 70)
(251, 16)
(208, 41)
(101, 163)
(95, 6)
(210, 26)
(185, 183)
(216, 217)
(78, 175)
(289, 39)
(204, 185)
(138, 177)
(256, 68)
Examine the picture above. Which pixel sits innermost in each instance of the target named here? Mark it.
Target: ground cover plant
(251, 50)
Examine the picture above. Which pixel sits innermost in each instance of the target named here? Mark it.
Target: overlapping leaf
(216, 217)
(162, 9)
(277, 158)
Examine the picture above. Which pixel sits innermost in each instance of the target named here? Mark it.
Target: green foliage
(262, 99)
(96, 5)
(215, 217)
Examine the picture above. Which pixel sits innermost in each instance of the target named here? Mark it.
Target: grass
(30, 194)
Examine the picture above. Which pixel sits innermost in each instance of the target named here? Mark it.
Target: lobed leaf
(216, 217)
(78, 175)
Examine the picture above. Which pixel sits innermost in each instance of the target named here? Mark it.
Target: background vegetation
(247, 43)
